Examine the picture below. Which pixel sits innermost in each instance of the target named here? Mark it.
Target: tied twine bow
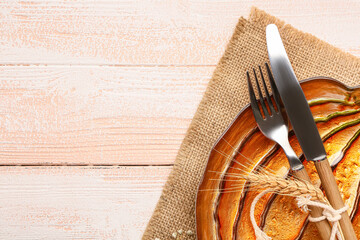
(329, 213)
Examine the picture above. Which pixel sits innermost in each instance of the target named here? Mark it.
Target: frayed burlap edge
(153, 230)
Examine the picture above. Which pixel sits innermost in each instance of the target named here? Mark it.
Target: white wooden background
(96, 96)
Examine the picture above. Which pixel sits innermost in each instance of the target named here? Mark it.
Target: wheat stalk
(292, 187)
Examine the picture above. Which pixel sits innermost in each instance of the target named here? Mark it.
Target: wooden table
(96, 97)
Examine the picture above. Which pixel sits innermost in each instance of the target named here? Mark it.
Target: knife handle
(332, 192)
(323, 226)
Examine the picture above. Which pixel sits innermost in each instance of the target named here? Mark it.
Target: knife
(303, 123)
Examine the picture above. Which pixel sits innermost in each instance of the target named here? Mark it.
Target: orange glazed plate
(223, 202)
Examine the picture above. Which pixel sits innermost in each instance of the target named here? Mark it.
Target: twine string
(260, 235)
(329, 213)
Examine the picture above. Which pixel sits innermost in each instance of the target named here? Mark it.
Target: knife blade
(302, 121)
(293, 98)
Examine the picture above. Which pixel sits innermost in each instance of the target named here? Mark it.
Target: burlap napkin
(226, 94)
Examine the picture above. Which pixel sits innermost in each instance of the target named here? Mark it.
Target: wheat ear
(293, 187)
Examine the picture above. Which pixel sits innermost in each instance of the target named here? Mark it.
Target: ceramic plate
(222, 207)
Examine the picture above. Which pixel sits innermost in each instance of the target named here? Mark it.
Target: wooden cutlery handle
(323, 227)
(328, 182)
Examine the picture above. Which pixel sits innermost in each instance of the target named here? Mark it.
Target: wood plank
(78, 202)
(154, 32)
(96, 115)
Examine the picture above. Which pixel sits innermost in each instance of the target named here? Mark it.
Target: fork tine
(273, 87)
(266, 113)
(270, 103)
(253, 102)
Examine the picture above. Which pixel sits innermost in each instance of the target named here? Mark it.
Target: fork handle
(328, 182)
(323, 226)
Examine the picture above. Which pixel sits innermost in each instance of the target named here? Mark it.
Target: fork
(273, 125)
